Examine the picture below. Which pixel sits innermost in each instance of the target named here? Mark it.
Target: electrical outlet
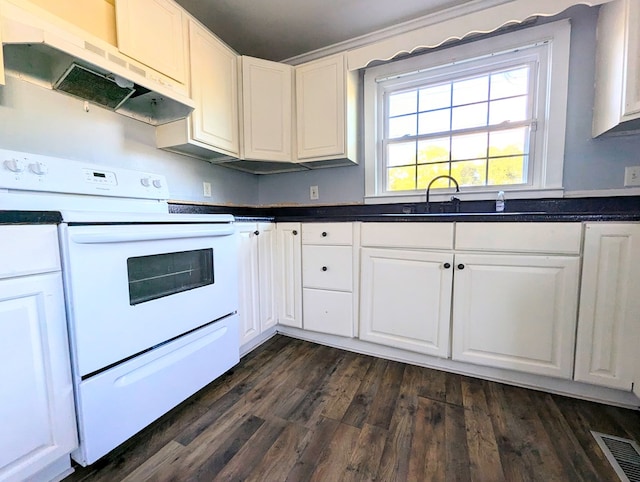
(206, 189)
(632, 176)
(313, 193)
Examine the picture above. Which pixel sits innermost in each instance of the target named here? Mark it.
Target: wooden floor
(292, 410)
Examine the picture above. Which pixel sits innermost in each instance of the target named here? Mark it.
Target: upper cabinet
(211, 132)
(267, 100)
(154, 32)
(326, 111)
(617, 94)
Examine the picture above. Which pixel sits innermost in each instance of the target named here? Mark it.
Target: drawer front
(407, 235)
(559, 238)
(327, 233)
(327, 267)
(18, 243)
(328, 312)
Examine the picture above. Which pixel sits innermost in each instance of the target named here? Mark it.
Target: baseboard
(257, 341)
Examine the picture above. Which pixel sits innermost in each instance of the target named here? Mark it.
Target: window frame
(549, 42)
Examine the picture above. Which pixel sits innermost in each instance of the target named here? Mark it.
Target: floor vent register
(622, 454)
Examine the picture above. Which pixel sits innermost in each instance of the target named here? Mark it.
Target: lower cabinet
(289, 274)
(406, 299)
(607, 351)
(516, 311)
(257, 307)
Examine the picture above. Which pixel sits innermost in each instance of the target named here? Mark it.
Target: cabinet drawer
(327, 267)
(327, 233)
(18, 241)
(560, 238)
(408, 235)
(328, 312)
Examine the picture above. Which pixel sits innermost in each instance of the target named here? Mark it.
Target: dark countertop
(30, 217)
(622, 208)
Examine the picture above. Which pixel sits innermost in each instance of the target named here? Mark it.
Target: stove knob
(145, 181)
(14, 165)
(39, 168)
(157, 183)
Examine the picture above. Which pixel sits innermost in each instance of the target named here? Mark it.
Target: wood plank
(384, 404)
(166, 455)
(306, 463)
(427, 459)
(456, 449)
(366, 456)
(336, 456)
(360, 406)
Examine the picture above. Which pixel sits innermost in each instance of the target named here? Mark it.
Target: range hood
(48, 51)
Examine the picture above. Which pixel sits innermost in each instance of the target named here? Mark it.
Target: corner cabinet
(211, 132)
(326, 112)
(608, 323)
(617, 83)
(154, 32)
(289, 274)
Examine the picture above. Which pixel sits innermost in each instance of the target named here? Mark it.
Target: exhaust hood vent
(94, 87)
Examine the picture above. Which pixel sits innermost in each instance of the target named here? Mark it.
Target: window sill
(466, 195)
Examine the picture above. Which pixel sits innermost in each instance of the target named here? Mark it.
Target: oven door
(132, 287)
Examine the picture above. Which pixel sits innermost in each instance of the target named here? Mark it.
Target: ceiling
(280, 29)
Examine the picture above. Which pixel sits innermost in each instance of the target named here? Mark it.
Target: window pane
(435, 121)
(474, 115)
(401, 178)
(470, 91)
(514, 109)
(470, 173)
(433, 150)
(402, 126)
(510, 83)
(401, 154)
(507, 170)
(435, 97)
(427, 172)
(508, 142)
(403, 103)
(469, 146)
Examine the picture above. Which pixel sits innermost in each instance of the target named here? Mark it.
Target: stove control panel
(21, 171)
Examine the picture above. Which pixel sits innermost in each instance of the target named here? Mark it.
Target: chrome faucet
(434, 180)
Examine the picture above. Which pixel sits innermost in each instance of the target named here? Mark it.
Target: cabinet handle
(256, 232)
(324, 234)
(461, 266)
(324, 268)
(295, 233)
(447, 265)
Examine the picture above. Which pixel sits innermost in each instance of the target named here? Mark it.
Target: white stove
(151, 297)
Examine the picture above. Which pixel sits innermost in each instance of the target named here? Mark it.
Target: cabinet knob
(447, 265)
(324, 234)
(256, 232)
(461, 266)
(324, 268)
(295, 233)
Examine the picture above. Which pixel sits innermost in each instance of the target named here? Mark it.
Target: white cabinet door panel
(266, 271)
(328, 312)
(289, 296)
(406, 299)
(249, 285)
(516, 312)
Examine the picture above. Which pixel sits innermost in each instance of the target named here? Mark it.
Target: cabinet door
(266, 271)
(406, 299)
(328, 311)
(36, 407)
(289, 274)
(320, 107)
(248, 280)
(516, 312)
(607, 345)
(153, 32)
(267, 109)
(632, 91)
(214, 89)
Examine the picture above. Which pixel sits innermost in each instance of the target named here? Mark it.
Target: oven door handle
(152, 233)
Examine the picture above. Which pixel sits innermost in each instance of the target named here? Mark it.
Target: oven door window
(159, 275)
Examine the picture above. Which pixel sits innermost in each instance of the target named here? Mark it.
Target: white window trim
(548, 178)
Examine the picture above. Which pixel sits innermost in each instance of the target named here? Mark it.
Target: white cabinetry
(289, 275)
(211, 131)
(517, 311)
(154, 32)
(609, 323)
(36, 407)
(406, 289)
(267, 102)
(328, 264)
(326, 111)
(257, 308)
(617, 84)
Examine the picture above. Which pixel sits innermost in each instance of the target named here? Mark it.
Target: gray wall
(590, 164)
(37, 120)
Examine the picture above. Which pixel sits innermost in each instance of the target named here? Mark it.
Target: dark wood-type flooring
(296, 411)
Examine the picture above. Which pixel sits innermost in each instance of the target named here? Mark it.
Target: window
(489, 113)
